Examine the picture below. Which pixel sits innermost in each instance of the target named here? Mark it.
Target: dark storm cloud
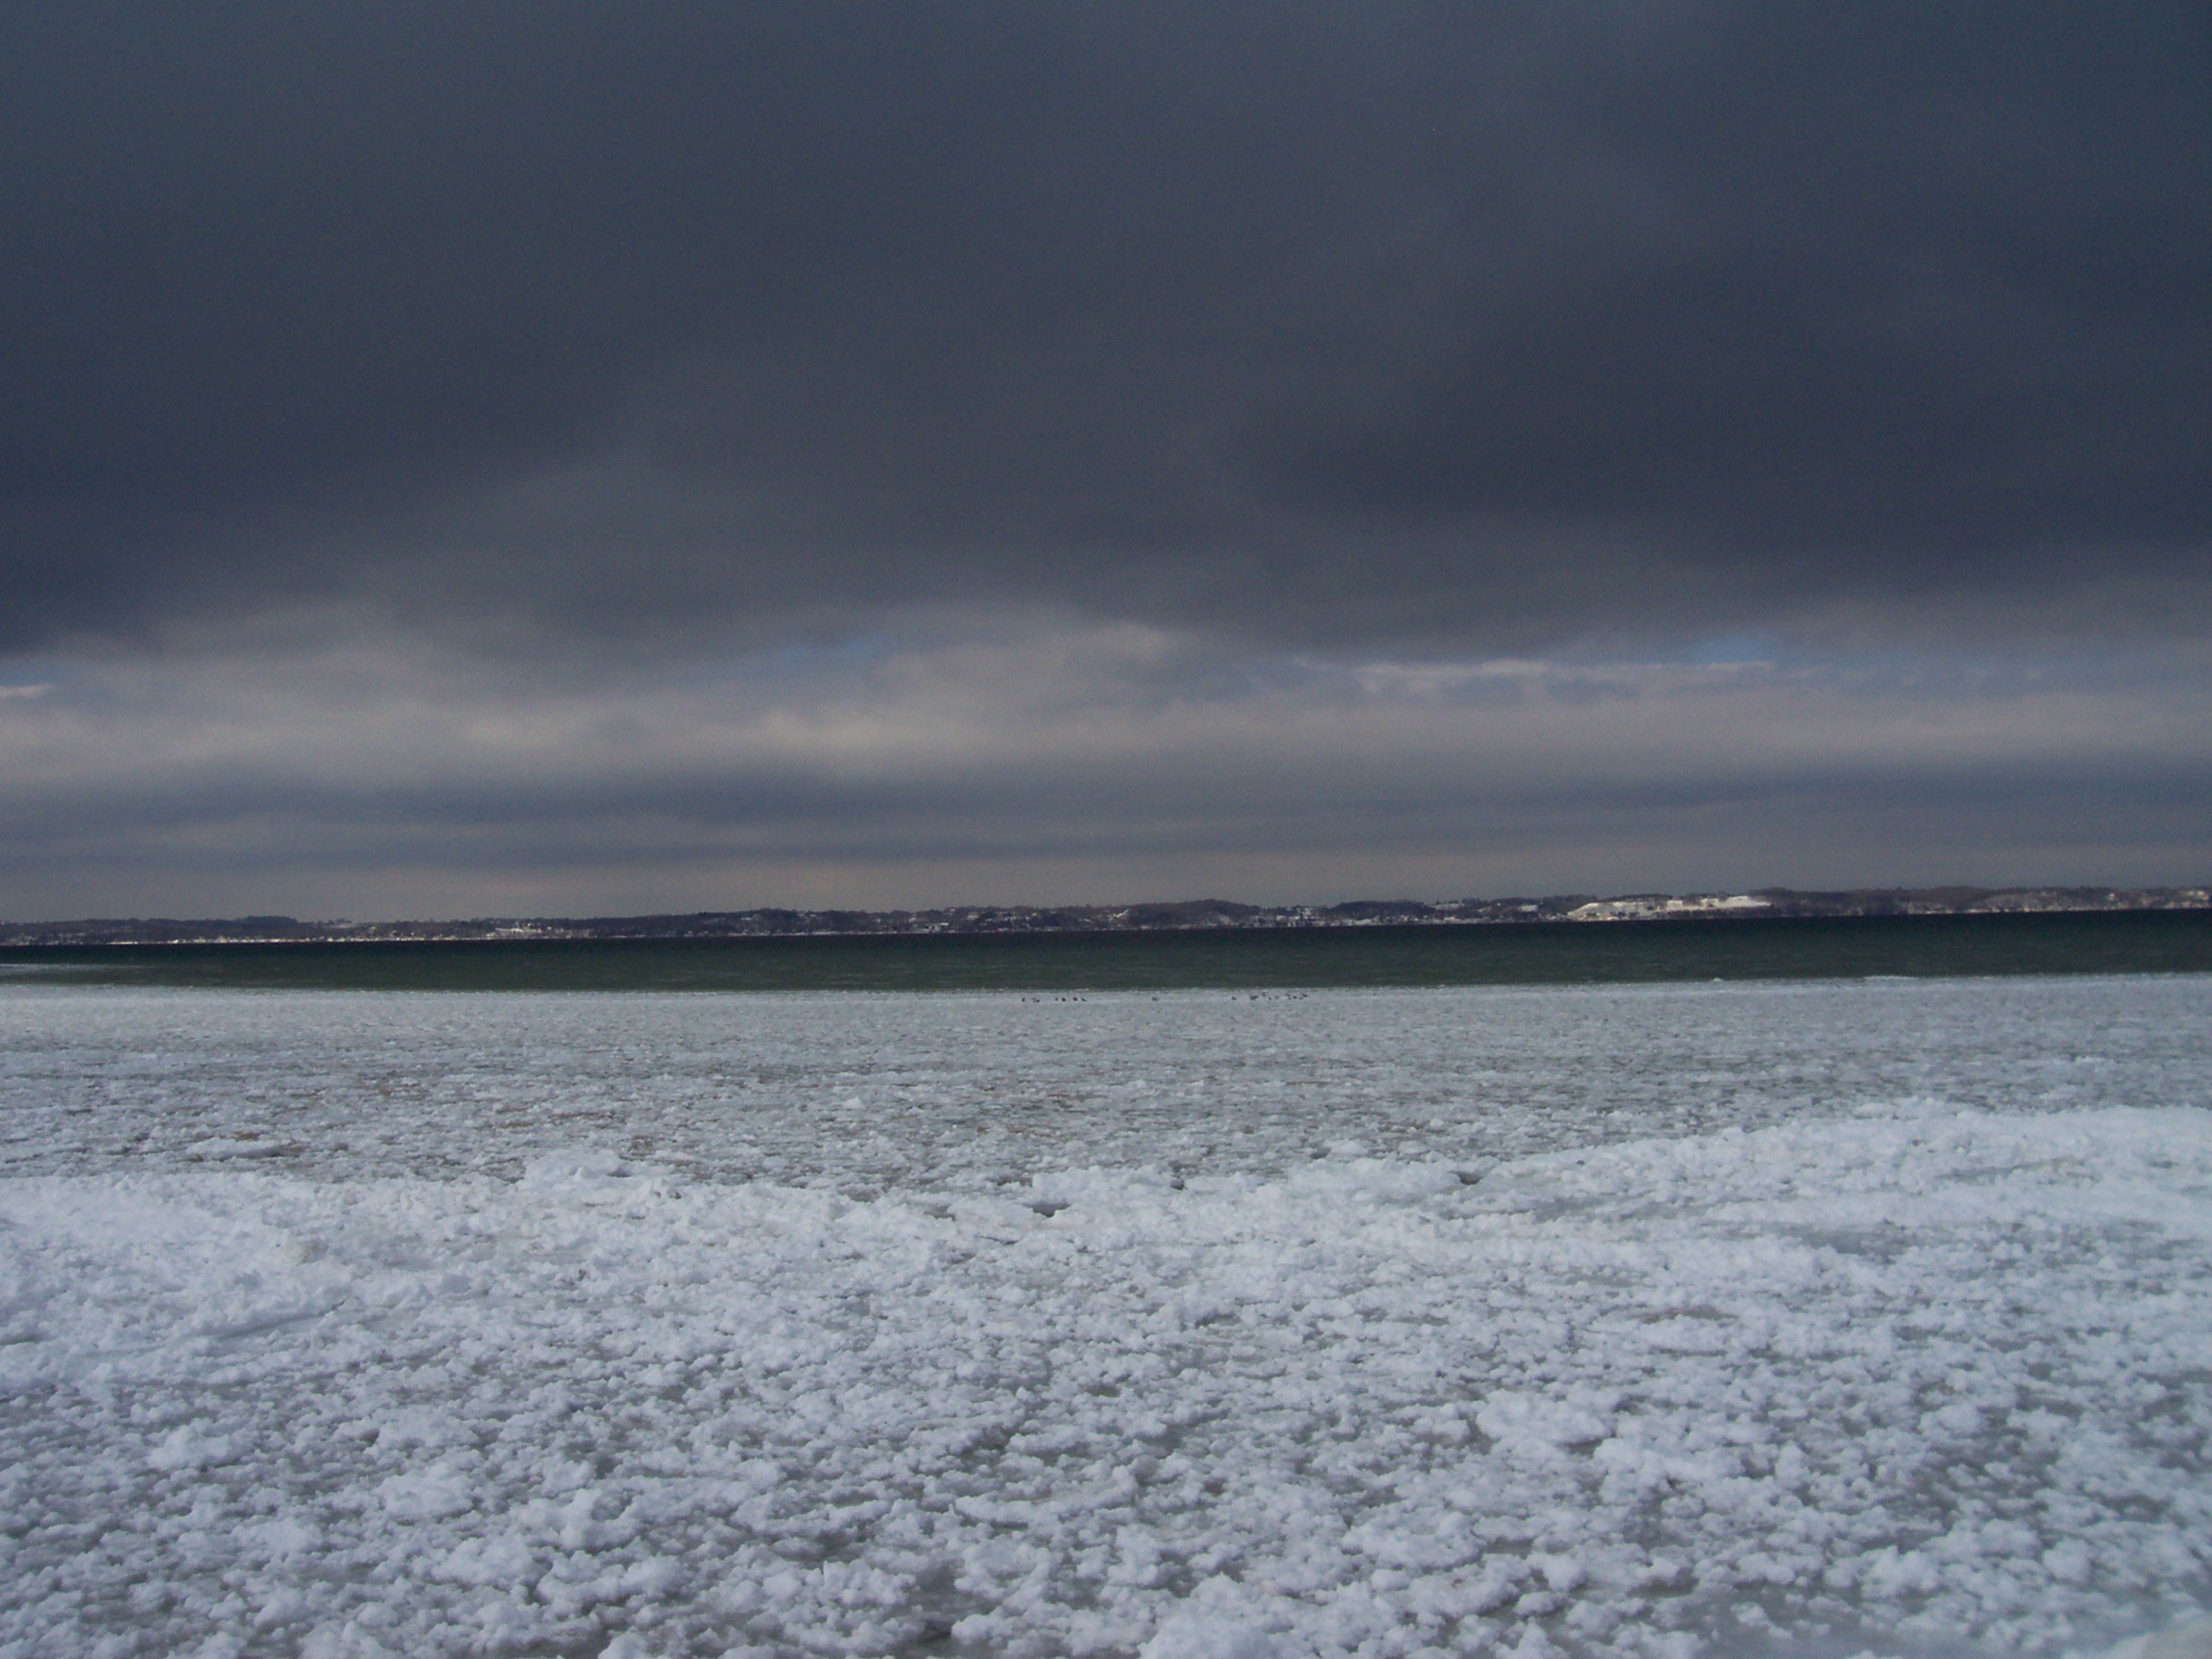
(1908, 284)
(1410, 322)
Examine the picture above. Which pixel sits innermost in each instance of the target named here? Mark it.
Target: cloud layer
(1046, 763)
(718, 451)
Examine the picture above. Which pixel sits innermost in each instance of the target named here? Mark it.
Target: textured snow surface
(866, 1090)
(1693, 1367)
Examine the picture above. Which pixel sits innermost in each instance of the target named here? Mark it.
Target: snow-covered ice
(863, 1090)
(1649, 1321)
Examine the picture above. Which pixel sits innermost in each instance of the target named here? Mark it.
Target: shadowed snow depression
(1805, 1319)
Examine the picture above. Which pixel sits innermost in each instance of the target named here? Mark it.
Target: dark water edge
(1580, 954)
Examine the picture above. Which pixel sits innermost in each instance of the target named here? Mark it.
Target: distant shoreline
(1204, 915)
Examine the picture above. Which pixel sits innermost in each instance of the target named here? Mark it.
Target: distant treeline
(1188, 915)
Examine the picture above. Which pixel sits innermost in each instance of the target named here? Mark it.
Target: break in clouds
(573, 457)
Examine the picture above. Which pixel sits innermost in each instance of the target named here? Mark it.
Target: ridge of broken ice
(1899, 1383)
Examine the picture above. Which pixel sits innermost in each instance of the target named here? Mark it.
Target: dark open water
(1569, 953)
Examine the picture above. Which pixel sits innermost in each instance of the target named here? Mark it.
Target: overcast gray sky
(559, 458)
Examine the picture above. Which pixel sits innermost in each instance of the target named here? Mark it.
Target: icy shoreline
(1936, 1382)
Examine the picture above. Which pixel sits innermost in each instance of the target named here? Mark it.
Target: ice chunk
(1524, 1417)
(188, 1446)
(573, 1166)
(1206, 1636)
(2189, 1640)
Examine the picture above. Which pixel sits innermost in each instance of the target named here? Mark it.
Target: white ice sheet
(1894, 1375)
